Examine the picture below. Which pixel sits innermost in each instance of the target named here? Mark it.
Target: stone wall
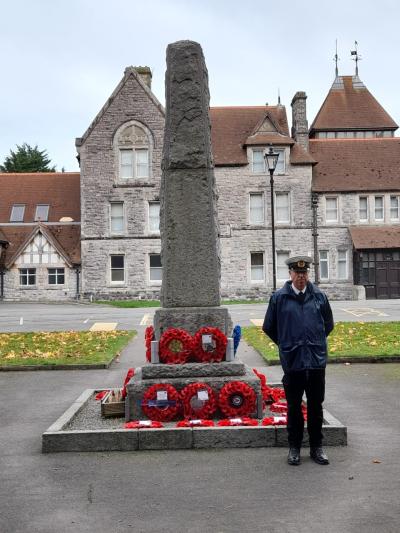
(42, 291)
(101, 185)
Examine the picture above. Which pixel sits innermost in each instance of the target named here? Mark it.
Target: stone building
(336, 186)
(120, 158)
(356, 183)
(39, 236)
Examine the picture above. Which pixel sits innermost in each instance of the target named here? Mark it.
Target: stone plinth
(192, 370)
(178, 377)
(192, 319)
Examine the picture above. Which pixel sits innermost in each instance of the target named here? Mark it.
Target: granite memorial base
(82, 429)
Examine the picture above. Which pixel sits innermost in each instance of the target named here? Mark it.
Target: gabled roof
(370, 237)
(350, 106)
(300, 156)
(129, 72)
(356, 164)
(60, 190)
(231, 128)
(64, 238)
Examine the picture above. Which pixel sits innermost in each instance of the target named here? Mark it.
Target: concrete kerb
(58, 439)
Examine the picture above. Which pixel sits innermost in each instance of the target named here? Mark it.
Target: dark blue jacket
(299, 329)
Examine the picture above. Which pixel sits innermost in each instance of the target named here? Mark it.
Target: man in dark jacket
(299, 319)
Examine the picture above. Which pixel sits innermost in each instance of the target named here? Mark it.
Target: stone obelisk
(190, 294)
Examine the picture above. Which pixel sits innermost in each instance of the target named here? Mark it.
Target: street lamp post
(271, 160)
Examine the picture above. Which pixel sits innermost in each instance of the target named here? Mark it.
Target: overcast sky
(61, 59)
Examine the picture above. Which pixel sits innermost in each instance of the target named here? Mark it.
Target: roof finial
(336, 59)
(357, 57)
(279, 96)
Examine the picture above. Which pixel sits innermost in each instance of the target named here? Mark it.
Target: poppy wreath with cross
(217, 353)
(196, 407)
(176, 346)
(161, 410)
(237, 398)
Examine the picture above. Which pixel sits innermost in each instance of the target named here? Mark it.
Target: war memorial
(193, 392)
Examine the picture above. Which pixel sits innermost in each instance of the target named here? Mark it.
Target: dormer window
(17, 213)
(258, 163)
(133, 152)
(42, 213)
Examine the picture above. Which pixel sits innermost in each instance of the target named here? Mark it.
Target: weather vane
(336, 59)
(356, 55)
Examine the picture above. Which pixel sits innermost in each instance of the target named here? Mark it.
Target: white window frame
(326, 261)
(286, 253)
(24, 273)
(13, 217)
(251, 221)
(149, 218)
(135, 163)
(43, 219)
(282, 159)
(262, 280)
(383, 208)
(397, 197)
(287, 194)
(328, 220)
(112, 231)
(346, 252)
(57, 275)
(261, 151)
(363, 197)
(154, 281)
(117, 282)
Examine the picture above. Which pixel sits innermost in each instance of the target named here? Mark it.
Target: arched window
(133, 147)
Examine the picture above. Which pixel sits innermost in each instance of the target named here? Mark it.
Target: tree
(27, 159)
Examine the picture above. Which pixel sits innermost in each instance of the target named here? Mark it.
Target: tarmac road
(18, 316)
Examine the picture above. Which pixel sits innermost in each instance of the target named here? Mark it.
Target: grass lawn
(351, 340)
(61, 348)
(156, 303)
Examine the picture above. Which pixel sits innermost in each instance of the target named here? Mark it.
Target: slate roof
(356, 164)
(372, 237)
(350, 106)
(61, 190)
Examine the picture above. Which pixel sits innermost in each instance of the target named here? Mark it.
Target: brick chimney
(299, 119)
(145, 74)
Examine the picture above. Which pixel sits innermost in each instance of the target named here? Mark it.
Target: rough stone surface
(193, 370)
(192, 319)
(188, 215)
(165, 439)
(90, 441)
(233, 437)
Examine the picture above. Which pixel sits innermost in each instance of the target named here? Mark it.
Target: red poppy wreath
(198, 400)
(148, 337)
(237, 399)
(217, 349)
(143, 424)
(175, 346)
(161, 402)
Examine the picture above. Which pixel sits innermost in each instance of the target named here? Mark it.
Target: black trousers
(312, 382)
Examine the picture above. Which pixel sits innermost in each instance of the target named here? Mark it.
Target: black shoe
(319, 456)
(294, 456)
